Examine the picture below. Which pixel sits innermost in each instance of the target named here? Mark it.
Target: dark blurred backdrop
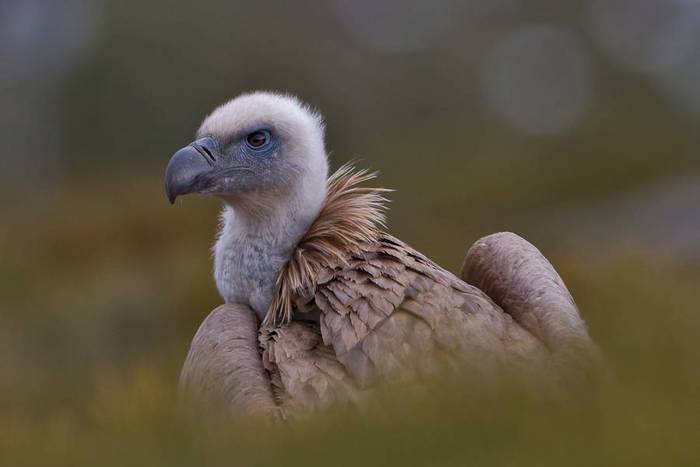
(575, 124)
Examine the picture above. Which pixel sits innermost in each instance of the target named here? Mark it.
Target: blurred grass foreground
(93, 340)
(572, 124)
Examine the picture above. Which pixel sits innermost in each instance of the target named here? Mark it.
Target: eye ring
(257, 139)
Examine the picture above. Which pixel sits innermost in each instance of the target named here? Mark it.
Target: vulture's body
(322, 305)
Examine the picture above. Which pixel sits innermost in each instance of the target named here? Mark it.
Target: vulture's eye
(258, 139)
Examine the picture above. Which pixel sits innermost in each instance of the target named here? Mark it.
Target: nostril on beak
(208, 152)
(206, 147)
(204, 152)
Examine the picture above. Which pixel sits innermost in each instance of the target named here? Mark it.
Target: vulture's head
(252, 152)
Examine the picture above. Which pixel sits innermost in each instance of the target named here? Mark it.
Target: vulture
(322, 305)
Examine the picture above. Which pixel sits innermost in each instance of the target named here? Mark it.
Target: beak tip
(170, 194)
(183, 171)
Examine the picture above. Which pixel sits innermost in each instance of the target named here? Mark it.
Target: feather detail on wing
(304, 372)
(390, 313)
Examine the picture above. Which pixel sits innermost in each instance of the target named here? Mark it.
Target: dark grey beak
(188, 169)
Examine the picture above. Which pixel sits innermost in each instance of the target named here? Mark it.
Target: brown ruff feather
(351, 215)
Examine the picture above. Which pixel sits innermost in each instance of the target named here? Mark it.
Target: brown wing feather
(305, 373)
(391, 313)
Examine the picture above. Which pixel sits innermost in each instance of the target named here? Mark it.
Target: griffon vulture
(321, 304)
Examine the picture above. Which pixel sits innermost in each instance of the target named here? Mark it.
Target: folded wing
(223, 367)
(523, 283)
(392, 314)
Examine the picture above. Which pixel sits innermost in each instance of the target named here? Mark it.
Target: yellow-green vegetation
(103, 284)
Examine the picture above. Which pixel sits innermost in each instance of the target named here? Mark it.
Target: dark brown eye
(257, 139)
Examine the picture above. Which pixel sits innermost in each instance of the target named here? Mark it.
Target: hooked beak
(189, 169)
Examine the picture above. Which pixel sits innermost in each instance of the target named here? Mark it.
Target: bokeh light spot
(539, 80)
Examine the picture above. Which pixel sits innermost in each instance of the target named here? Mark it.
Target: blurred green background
(574, 124)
